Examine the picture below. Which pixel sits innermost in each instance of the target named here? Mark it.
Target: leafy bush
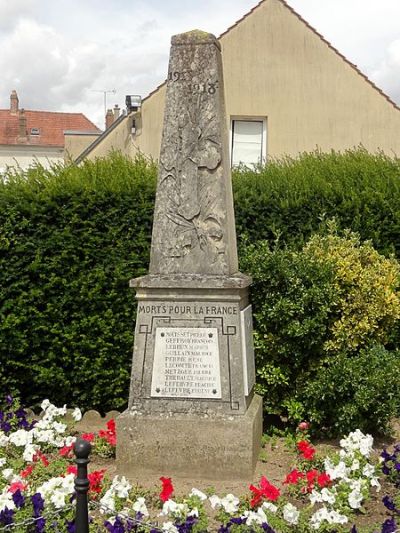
(360, 391)
(70, 240)
(315, 309)
(291, 198)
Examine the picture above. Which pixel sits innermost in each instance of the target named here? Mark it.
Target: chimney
(116, 112)
(109, 118)
(14, 103)
(22, 136)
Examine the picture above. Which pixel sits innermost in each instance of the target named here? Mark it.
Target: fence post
(82, 449)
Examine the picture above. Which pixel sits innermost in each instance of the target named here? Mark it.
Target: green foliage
(360, 391)
(291, 198)
(70, 240)
(314, 310)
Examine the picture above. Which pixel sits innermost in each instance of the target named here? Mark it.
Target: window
(249, 141)
(35, 131)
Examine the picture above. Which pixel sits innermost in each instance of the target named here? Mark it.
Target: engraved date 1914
(208, 87)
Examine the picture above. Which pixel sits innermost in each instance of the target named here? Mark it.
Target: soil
(276, 460)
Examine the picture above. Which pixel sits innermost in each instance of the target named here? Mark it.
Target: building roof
(284, 3)
(43, 128)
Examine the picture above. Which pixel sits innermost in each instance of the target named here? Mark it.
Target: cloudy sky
(61, 54)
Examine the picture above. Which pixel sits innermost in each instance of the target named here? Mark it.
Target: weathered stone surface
(192, 408)
(187, 445)
(194, 228)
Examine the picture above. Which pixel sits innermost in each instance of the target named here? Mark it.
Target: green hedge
(71, 238)
(290, 199)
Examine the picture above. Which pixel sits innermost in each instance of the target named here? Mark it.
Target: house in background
(287, 90)
(28, 136)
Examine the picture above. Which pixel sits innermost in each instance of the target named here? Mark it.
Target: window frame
(248, 118)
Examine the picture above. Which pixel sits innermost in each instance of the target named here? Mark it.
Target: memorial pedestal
(219, 447)
(191, 399)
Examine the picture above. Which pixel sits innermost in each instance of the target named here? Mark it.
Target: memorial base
(189, 445)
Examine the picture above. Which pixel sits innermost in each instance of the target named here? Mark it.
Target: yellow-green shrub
(367, 288)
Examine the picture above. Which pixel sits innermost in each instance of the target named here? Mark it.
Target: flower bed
(321, 492)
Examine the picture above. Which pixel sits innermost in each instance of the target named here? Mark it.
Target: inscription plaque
(186, 363)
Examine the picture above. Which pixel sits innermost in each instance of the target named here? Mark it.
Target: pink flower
(303, 426)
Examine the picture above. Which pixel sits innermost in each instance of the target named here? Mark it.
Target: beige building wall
(76, 142)
(276, 67)
(118, 137)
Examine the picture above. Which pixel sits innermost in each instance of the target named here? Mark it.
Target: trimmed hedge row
(291, 199)
(71, 238)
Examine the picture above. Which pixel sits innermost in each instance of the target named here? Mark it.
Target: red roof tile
(51, 127)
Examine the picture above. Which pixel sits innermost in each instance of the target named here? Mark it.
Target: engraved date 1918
(208, 87)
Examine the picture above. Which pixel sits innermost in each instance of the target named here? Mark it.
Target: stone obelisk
(192, 408)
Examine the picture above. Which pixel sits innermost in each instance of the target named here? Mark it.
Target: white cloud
(57, 53)
(387, 75)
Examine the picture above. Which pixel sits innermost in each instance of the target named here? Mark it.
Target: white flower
(20, 437)
(7, 473)
(368, 470)
(121, 487)
(375, 483)
(255, 518)
(339, 471)
(3, 461)
(59, 427)
(76, 414)
(323, 515)
(270, 507)
(45, 404)
(6, 500)
(315, 497)
(169, 527)
(291, 514)
(215, 501)
(337, 518)
(29, 452)
(69, 440)
(358, 441)
(58, 499)
(140, 507)
(198, 493)
(107, 502)
(328, 496)
(355, 465)
(194, 512)
(230, 503)
(170, 506)
(3, 439)
(355, 499)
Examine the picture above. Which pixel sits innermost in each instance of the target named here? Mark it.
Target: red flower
(266, 490)
(95, 479)
(17, 485)
(27, 472)
(293, 477)
(71, 469)
(111, 426)
(39, 456)
(66, 451)
(167, 488)
(323, 480)
(306, 450)
(88, 436)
